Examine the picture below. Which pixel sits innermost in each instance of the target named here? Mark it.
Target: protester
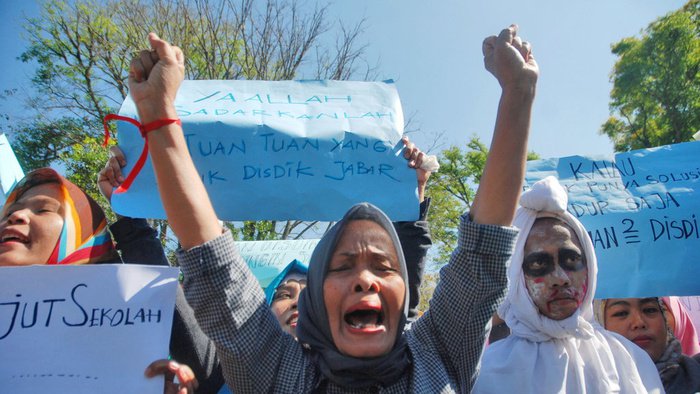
(555, 345)
(358, 268)
(49, 220)
(282, 295)
(188, 343)
(645, 321)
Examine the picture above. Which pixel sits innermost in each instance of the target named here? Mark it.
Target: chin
(365, 350)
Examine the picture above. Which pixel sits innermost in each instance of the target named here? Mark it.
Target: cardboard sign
(284, 150)
(84, 329)
(642, 211)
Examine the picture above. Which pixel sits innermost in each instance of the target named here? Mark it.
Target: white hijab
(573, 355)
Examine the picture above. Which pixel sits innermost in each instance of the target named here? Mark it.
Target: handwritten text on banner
(84, 329)
(268, 258)
(283, 150)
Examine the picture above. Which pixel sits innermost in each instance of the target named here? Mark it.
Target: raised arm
(154, 79)
(510, 60)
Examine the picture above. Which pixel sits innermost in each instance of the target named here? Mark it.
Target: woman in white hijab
(555, 345)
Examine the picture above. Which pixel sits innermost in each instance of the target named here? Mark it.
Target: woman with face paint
(647, 323)
(351, 327)
(555, 344)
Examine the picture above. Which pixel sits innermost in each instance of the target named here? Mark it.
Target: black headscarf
(314, 331)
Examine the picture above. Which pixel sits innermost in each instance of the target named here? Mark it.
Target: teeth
(364, 319)
(11, 238)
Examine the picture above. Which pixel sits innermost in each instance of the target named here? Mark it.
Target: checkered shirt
(445, 344)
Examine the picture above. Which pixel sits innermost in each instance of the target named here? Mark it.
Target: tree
(452, 190)
(655, 98)
(83, 49)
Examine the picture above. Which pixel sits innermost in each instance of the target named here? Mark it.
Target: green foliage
(452, 190)
(83, 50)
(655, 98)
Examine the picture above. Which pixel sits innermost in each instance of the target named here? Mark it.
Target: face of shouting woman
(31, 225)
(555, 268)
(364, 291)
(285, 302)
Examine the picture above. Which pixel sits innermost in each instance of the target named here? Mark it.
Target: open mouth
(365, 318)
(13, 237)
(292, 321)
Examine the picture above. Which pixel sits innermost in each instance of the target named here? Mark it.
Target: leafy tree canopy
(655, 98)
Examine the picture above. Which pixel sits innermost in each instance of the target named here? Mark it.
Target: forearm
(182, 192)
(496, 199)
(138, 242)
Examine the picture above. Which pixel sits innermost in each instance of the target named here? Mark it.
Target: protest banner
(84, 329)
(266, 259)
(10, 170)
(642, 211)
(283, 150)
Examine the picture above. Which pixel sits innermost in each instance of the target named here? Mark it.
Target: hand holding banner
(304, 150)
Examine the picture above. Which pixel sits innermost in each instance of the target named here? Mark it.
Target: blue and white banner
(282, 150)
(642, 211)
(266, 259)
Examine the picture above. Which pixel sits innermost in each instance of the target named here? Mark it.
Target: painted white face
(555, 268)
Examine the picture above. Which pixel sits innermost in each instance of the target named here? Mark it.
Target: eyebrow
(353, 255)
(621, 302)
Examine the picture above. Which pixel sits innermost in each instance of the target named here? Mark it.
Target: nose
(19, 216)
(561, 278)
(637, 320)
(366, 281)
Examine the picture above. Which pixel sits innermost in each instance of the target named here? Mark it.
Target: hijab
(683, 329)
(295, 267)
(672, 365)
(84, 237)
(313, 330)
(574, 354)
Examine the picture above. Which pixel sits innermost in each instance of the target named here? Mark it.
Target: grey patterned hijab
(314, 332)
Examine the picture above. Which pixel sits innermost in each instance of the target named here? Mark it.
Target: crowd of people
(346, 320)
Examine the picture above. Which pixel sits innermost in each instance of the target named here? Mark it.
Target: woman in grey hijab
(352, 336)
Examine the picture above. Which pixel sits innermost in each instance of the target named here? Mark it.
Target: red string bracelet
(144, 129)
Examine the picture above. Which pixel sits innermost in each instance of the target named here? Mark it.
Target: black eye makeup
(571, 260)
(541, 264)
(538, 264)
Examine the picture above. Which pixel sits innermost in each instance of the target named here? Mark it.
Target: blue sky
(433, 51)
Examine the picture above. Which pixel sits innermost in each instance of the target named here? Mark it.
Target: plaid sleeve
(470, 288)
(230, 307)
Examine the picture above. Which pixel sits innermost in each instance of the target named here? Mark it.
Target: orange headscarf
(84, 238)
